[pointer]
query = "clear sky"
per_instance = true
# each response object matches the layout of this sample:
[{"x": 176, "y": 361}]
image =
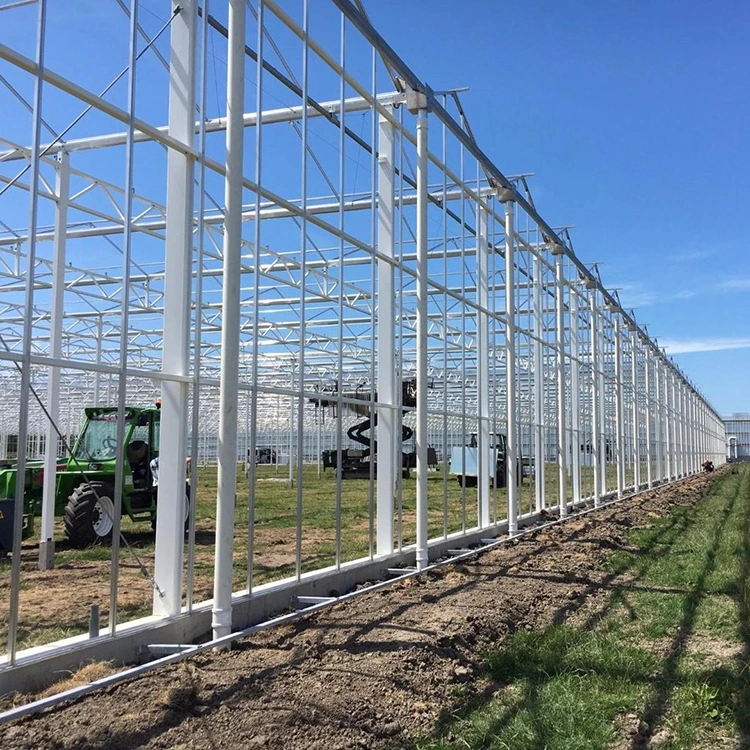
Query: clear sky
[{"x": 635, "y": 119}]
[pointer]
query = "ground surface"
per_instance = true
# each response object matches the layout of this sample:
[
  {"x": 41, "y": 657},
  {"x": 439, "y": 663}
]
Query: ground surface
[{"x": 405, "y": 666}]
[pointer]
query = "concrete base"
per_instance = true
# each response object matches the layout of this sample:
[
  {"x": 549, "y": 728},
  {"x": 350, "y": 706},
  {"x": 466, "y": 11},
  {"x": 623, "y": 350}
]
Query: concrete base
[
  {"x": 47, "y": 555},
  {"x": 129, "y": 645}
]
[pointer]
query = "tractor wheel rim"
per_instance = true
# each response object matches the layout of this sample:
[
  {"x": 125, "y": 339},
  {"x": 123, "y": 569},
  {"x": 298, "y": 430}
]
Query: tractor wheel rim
[{"x": 104, "y": 512}]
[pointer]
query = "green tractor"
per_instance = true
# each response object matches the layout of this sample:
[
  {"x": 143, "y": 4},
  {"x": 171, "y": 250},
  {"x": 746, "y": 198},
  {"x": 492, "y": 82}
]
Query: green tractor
[{"x": 87, "y": 503}]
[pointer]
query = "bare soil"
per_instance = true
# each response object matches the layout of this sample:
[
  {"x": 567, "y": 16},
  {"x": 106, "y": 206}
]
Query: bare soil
[{"x": 375, "y": 672}]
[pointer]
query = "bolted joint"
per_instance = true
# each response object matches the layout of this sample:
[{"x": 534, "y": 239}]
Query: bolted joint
[
  {"x": 590, "y": 283},
  {"x": 505, "y": 195},
  {"x": 556, "y": 248},
  {"x": 415, "y": 100}
]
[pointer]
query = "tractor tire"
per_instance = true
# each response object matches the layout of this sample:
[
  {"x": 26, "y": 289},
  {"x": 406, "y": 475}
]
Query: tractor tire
[{"x": 89, "y": 514}]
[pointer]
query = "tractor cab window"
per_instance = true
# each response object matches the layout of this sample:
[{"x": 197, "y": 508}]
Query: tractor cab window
[{"x": 99, "y": 439}]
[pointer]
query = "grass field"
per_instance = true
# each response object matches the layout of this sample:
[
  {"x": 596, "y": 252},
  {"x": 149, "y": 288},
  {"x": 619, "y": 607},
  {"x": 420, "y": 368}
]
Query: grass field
[
  {"x": 667, "y": 658},
  {"x": 56, "y": 604}
]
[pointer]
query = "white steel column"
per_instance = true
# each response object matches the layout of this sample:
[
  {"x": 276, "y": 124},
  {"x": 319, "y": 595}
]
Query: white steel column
[
  {"x": 619, "y": 421},
  {"x": 388, "y": 415},
  {"x": 636, "y": 432},
  {"x": 682, "y": 421},
  {"x": 562, "y": 450},
  {"x": 603, "y": 447},
  {"x": 538, "y": 389},
  {"x": 669, "y": 403},
  {"x": 170, "y": 526},
  {"x": 659, "y": 423},
  {"x": 98, "y": 375},
  {"x": 596, "y": 423},
  {"x": 575, "y": 397},
  {"x": 230, "y": 329},
  {"x": 484, "y": 450},
  {"x": 511, "y": 455},
  {"x": 47, "y": 531},
  {"x": 647, "y": 373},
  {"x": 422, "y": 436}
]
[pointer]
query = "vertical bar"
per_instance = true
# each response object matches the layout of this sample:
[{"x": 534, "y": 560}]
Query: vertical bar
[
  {"x": 422, "y": 340},
  {"x": 170, "y": 525},
  {"x": 28, "y": 327},
  {"x": 575, "y": 397},
  {"x": 602, "y": 446},
  {"x": 596, "y": 422},
  {"x": 198, "y": 322},
  {"x": 619, "y": 411},
  {"x": 340, "y": 296},
  {"x": 538, "y": 387},
  {"x": 562, "y": 449},
  {"x": 484, "y": 449},
  {"x": 124, "y": 317},
  {"x": 98, "y": 375},
  {"x": 62, "y": 188},
  {"x": 636, "y": 430},
  {"x": 649, "y": 416},
  {"x": 302, "y": 296},
  {"x": 388, "y": 415},
  {"x": 511, "y": 455},
  {"x": 230, "y": 330}
]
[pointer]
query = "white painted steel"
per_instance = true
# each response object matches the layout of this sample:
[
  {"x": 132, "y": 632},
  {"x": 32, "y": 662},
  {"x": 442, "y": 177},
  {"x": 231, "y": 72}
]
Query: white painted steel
[
  {"x": 170, "y": 526},
  {"x": 422, "y": 436},
  {"x": 352, "y": 276},
  {"x": 510, "y": 370},
  {"x": 485, "y": 466},
  {"x": 230, "y": 331},
  {"x": 57, "y": 317},
  {"x": 388, "y": 428},
  {"x": 562, "y": 442}
]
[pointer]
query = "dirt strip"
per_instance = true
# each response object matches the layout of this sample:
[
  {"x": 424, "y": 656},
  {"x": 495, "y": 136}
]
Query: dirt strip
[{"x": 375, "y": 672}]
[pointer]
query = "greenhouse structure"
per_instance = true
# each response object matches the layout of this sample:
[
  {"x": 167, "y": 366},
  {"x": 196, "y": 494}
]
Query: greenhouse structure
[{"x": 369, "y": 348}]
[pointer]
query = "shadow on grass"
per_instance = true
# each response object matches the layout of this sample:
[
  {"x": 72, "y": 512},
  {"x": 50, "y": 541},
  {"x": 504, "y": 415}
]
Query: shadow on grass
[{"x": 534, "y": 664}]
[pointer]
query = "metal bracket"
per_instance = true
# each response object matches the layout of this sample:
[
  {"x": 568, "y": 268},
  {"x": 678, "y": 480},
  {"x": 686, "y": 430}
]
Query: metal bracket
[
  {"x": 415, "y": 100},
  {"x": 505, "y": 194}
]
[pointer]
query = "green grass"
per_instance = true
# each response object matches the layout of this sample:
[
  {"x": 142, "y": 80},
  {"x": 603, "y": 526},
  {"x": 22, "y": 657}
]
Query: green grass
[
  {"x": 671, "y": 646},
  {"x": 450, "y": 509}
]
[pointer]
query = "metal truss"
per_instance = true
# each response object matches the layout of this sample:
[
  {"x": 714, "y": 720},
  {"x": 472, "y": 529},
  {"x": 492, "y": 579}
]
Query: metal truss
[{"x": 250, "y": 211}]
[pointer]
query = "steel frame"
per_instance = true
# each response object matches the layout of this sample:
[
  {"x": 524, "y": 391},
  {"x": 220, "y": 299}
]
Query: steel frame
[{"x": 238, "y": 311}]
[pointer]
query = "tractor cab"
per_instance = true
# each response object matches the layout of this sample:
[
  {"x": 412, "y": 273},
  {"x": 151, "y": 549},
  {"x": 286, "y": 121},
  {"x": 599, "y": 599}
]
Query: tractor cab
[{"x": 88, "y": 506}]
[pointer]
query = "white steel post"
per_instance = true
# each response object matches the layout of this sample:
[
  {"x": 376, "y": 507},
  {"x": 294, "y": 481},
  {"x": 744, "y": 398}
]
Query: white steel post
[
  {"x": 538, "y": 388},
  {"x": 98, "y": 375},
  {"x": 575, "y": 397},
  {"x": 422, "y": 437},
  {"x": 596, "y": 395},
  {"x": 619, "y": 421},
  {"x": 230, "y": 330},
  {"x": 484, "y": 451},
  {"x": 511, "y": 454},
  {"x": 636, "y": 431},
  {"x": 603, "y": 448},
  {"x": 47, "y": 531},
  {"x": 388, "y": 415},
  {"x": 170, "y": 526},
  {"x": 647, "y": 373},
  {"x": 669, "y": 399},
  {"x": 659, "y": 420},
  {"x": 562, "y": 451},
  {"x": 683, "y": 418}
]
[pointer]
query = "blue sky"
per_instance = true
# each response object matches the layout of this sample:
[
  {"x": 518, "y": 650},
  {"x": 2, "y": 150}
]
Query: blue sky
[{"x": 635, "y": 119}]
